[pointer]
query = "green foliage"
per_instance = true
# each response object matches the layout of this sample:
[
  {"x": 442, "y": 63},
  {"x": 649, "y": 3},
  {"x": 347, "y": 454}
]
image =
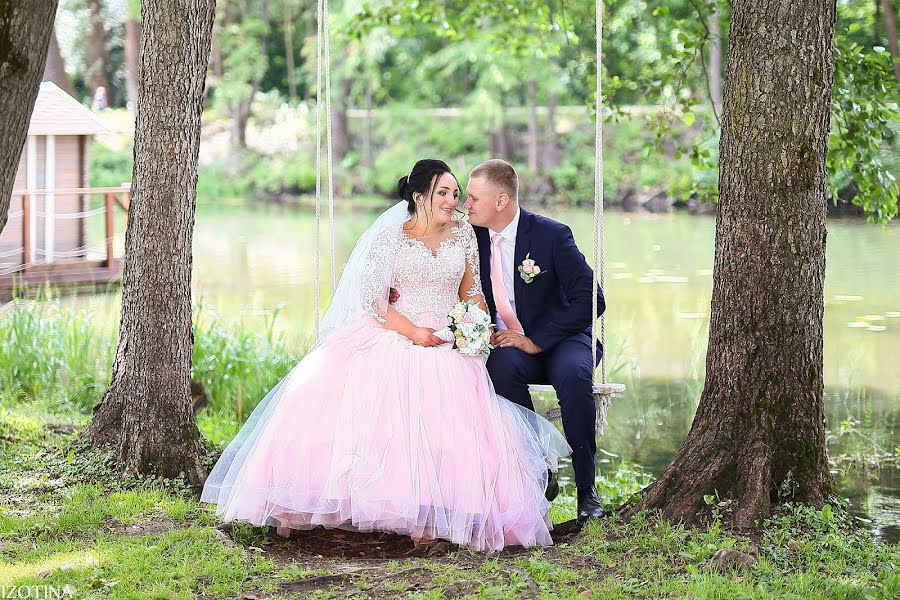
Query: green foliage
[
  {"x": 232, "y": 360},
  {"x": 241, "y": 42},
  {"x": 865, "y": 119},
  {"x": 59, "y": 356},
  {"x": 54, "y": 353},
  {"x": 479, "y": 55},
  {"x": 111, "y": 166}
]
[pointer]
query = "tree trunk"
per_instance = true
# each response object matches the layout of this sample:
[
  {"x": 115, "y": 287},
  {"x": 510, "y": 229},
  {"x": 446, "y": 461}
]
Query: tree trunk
[
  {"x": 289, "y": 52},
  {"x": 132, "y": 59},
  {"x": 240, "y": 110},
  {"x": 551, "y": 144},
  {"x": 531, "y": 95},
  {"x": 368, "y": 154},
  {"x": 498, "y": 139},
  {"x": 55, "y": 69},
  {"x": 24, "y": 40},
  {"x": 890, "y": 26},
  {"x": 97, "y": 53},
  {"x": 339, "y": 125},
  {"x": 758, "y": 437},
  {"x": 240, "y": 117},
  {"x": 146, "y": 413},
  {"x": 310, "y": 31},
  {"x": 715, "y": 63}
]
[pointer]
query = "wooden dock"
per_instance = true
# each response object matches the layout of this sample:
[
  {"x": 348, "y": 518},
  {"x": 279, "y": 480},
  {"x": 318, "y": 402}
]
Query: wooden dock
[
  {"x": 83, "y": 267},
  {"x": 74, "y": 276}
]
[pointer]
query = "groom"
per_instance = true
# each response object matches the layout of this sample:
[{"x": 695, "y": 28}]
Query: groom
[{"x": 538, "y": 288}]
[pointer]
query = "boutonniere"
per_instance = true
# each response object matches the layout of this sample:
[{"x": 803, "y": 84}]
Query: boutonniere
[{"x": 528, "y": 270}]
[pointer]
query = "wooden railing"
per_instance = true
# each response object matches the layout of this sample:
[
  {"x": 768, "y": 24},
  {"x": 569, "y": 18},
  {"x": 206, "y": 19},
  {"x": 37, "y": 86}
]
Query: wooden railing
[{"x": 113, "y": 196}]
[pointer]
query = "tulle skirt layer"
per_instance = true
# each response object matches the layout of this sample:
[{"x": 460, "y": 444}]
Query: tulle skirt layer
[{"x": 370, "y": 432}]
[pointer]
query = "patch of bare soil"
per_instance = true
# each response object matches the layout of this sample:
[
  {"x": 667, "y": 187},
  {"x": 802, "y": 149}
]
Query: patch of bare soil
[{"x": 367, "y": 563}]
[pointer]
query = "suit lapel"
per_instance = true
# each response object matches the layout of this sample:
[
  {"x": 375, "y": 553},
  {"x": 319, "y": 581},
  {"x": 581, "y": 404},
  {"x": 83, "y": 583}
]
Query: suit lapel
[{"x": 523, "y": 247}]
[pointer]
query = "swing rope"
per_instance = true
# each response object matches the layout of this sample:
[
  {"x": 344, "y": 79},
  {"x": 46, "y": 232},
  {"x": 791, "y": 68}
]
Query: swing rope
[
  {"x": 598, "y": 197},
  {"x": 323, "y": 59}
]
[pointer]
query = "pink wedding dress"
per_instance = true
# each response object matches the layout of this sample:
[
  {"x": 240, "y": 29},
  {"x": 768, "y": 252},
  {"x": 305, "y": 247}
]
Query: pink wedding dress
[{"x": 371, "y": 432}]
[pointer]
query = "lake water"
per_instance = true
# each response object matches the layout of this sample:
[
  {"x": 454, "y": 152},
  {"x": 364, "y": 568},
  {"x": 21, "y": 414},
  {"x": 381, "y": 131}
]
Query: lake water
[{"x": 250, "y": 261}]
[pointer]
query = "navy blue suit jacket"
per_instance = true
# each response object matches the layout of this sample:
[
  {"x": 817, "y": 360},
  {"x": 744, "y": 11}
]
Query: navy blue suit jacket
[{"x": 557, "y": 304}]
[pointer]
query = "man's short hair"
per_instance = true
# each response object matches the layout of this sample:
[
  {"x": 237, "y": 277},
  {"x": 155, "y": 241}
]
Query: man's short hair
[{"x": 500, "y": 173}]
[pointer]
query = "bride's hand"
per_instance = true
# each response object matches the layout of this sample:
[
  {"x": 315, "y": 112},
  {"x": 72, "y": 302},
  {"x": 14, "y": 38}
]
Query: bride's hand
[{"x": 424, "y": 336}]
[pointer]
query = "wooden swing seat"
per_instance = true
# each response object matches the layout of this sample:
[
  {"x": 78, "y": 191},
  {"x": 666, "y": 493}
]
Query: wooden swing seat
[{"x": 602, "y": 395}]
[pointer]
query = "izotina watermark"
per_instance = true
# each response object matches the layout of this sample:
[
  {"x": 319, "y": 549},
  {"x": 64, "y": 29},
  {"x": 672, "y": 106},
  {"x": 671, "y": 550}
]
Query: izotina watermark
[{"x": 37, "y": 591}]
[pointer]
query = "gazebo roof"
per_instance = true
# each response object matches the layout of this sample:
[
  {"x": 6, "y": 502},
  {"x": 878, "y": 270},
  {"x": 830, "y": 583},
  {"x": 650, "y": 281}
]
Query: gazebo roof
[{"x": 58, "y": 113}]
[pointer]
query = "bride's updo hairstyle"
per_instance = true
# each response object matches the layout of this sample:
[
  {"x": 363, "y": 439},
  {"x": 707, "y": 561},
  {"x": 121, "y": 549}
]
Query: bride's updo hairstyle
[{"x": 421, "y": 180}]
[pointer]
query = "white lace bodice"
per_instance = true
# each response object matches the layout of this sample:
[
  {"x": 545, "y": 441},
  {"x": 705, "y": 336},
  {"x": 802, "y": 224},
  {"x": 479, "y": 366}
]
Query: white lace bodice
[{"x": 428, "y": 281}]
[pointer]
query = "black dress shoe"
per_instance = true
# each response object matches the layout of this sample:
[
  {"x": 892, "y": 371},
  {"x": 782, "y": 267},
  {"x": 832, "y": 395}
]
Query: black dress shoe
[
  {"x": 552, "y": 486},
  {"x": 589, "y": 506}
]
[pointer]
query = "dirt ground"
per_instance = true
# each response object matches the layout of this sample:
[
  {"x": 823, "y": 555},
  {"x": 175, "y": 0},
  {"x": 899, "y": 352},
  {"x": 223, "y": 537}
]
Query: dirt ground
[{"x": 383, "y": 565}]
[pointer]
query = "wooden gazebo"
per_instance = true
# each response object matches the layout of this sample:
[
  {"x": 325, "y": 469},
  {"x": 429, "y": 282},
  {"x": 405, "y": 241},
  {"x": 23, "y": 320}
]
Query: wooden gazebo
[{"x": 48, "y": 238}]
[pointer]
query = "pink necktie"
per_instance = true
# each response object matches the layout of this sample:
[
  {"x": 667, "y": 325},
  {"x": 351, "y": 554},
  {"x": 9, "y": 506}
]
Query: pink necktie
[{"x": 501, "y": 299}]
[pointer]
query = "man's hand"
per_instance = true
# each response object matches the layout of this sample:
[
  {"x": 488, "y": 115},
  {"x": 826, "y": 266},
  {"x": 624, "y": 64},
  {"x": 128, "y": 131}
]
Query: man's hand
[
  {"x": 512, "y": 339},
  {"x": 393, "y": 296}
]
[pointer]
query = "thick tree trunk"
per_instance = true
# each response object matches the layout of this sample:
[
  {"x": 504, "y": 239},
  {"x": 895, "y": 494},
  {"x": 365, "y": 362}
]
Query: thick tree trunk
[
  {"x": 25, "y": 33},
  {"x": 132, "y": 59},
  {"x": 146, "y": 414},
  {"x": 890, "y": 27},
  {"x": 55, "y": 69},
  {"x": 715, "y": 63},
  {"x": 289, "y": 52},
  {"x": 531, "y": 96},
  {"x": 97, "y": 52},
  {"x": 758, "y": 437}
]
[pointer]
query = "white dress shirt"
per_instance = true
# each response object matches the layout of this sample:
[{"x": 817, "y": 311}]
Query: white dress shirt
[{"x": 508, "y": 249}]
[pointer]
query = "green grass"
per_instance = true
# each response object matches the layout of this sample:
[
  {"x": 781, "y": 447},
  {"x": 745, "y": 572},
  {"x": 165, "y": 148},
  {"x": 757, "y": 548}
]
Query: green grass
[
  {"x": 67, "y": 519},
  {"x": 54, "y": 352},
  {"x": 61, "y": 355}
]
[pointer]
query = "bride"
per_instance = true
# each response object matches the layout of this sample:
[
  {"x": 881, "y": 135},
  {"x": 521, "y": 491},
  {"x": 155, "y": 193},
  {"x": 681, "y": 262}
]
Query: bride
[{"x": 383, "y": 425}]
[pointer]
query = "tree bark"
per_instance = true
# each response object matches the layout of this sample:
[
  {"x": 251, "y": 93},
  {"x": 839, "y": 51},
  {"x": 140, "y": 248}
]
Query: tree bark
[
  {"x": 146, "y": 413},
  {"x": 24, "y": 39},
  {"x": 715, "y": 63},
  {"x": 289, "y": 52},
  {"x": 132, "y": 59},
  {"x": 758, "y": 437},
  {"x": 890, "y": 27},
  {"x": 55, "y": 69},
  {"x": 531, "y": 97},
  {"x": 97, "y": 52}
]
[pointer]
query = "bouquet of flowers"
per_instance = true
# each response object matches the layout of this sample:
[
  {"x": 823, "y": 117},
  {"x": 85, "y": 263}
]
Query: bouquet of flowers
[{"x": 470, "y": 329}]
